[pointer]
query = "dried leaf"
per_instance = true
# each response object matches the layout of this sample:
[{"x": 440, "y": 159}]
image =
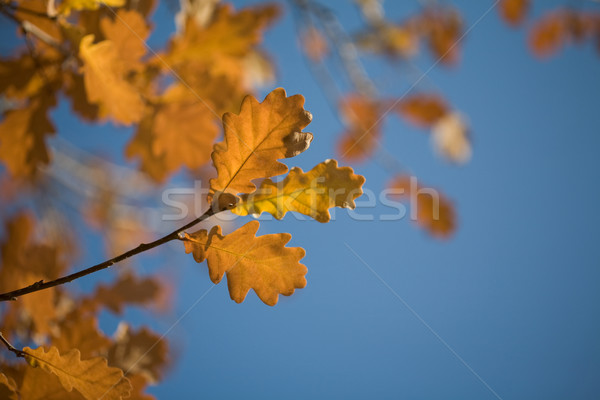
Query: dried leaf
[
  {"x": 8, "y": 388},
  {"x": 140, "y": 352},
  {"x": 429, "y": 208},
  {"x": 450, "y": 136},
  {"x": 256, "y": 138},
  {"x": 128, "y": 31},
  {"x": 40, "y": 385},
  {"x": 422, "y": 109},
  {"x": 312, "y": 193},
  {"x": 92, "y": 378},
  {"x": 127, "y": 290},
  {"x": 261, "y": 263},
  {"x": 105, "y": 84},
  {"x": 513, "y": 12},
  {"x": 79, "y": 330},
  {"x": 23, "y": 138}
]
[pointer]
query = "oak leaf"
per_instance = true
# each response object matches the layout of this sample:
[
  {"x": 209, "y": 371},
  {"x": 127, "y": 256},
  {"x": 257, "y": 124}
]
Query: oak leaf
[
  {"x": 429, "y": 208},
  {"x": 23, "y": 138},
  {"x": 66, "y": 6},
  {"x": 128, "y": 31},
  {"x": 140, "y": 352},
  {"x": 261, "y": 263},
  {"x": 314, "y": 44},
  {"x": 105, "y": 83},
  {"x": 443, "y": 27},
  {"x": 127, "y": 290},
  {"x": 92, "y": 378},
  {"x": 513, "y": 12},
  {"x": 8, "y": 388},
  {"x": 256, "y": 138},
  {"x": 548, "y": 34},
  {"x": 362, "y": 117},
  {"x": 450, "y": 136},
  {"x": 312, "y": 193},
  {"x": 422, "y": 109},
  {"x": 40, "y": 385},
  {"x": 80, "y": 330}
]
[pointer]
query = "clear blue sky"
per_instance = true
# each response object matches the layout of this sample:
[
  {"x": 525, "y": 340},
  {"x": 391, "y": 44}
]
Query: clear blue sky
[{"x": 511, "y": 302}]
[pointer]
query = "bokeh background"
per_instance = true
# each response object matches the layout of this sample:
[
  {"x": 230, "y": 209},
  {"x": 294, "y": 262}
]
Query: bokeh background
[{"x": 508, "y": 307}]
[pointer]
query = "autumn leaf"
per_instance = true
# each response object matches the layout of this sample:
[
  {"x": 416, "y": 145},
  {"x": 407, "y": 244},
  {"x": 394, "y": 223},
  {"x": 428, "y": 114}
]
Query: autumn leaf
[
  {"x": 362, "y": 117},
  {"x": 8, "y": 388},
  {"x": 128, "y": 289},
  {"x": 140, "y": 352},
  {"x": 312, "y": 193},
  {"x": 314, "y": 44},
  {"x": 450, "y": 136},
  {"x": 40, "y": 385},
  {"x": 66, "y": 6},
  {"x": 513, "y": 12},
  {"x": 92, "y": 378},
  {"x": 128, "y": 31},
  {"x": 23, "y": 138},
  {"x": 80, "y": 331},
  {"x": 548, "y": 34},
  {"x": 429, "y": 208},
  {"x": 105, "y": 84},
  {"x": 261, "y": 263},
  {"x": 422, "y": 109},
  {"x": 256, "y": 138},
  {"x": 442, "y": 27},
  {"x": 178, "y": 130}
]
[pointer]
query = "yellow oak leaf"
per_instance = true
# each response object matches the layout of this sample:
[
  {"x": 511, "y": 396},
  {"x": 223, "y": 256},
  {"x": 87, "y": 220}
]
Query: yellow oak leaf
[
  {"x": 23, "y": 138},
  {"x": 69, "y": 5},
  {"x": 92, "y": 378},
  {"x": 105, "y": 84},
  {"x": 8, "y": 388},
  {"x": 261, "y": 263},
  {"x": 256, "y": 138},
  {"x": 128, "y": 31},
  {"x": 311, "y": 193}
]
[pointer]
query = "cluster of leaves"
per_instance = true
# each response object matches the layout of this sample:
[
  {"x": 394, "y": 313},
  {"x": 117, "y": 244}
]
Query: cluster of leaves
[{"x": 555, "y": 28}]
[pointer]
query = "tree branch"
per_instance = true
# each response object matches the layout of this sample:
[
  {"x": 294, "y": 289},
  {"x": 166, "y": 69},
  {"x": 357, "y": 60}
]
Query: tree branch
[
  {"x": 10, "y": 347},
  {"x": 41, "y": 285}
]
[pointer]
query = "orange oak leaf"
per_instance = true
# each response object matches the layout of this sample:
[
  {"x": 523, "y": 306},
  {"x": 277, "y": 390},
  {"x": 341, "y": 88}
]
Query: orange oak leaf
[
  {"x": 256, "y": 138},
  {"x": 262, "y": 263},
  {"x": 362, "y": 117},
  {"x": 8, "y": 388},
  {"x": 311, "y": 193},
  {"x": 429, "y": 208},
  {"x": 513, "y": 12},
  {"x": 548, "y": 34},
  {"x": 442, "y": 27},
  {"x": 92, "y": 378},
  {"x": 105, "y": 83},
  {"x": 40, "y": 385},
  {"x": 314, "y": 44},
  {"x": 127, "y": 290},
  {"x": 80, "y": 330},
  {"x": 23, "y": 137},
  {"x": 128, "y": 31},
  {"x": 422, "y": 109},
  {"x": 179, "y": 130},
  {"x": 140, "y": 352}
]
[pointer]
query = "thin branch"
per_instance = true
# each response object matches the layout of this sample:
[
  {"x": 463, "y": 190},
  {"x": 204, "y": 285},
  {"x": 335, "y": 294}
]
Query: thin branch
[
  {"x": 10, "y": 347},
  {"x": 41, "y": 285}
]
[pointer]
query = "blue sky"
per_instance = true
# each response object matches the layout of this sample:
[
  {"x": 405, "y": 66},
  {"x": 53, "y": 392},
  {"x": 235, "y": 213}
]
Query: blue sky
[{"x": 508, "y": 308}]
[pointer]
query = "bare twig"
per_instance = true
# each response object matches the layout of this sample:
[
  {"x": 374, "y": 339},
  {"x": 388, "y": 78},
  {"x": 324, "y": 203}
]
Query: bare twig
[
  {"x": 10, "y": 347},
  {"x": 41, "y": 285}
]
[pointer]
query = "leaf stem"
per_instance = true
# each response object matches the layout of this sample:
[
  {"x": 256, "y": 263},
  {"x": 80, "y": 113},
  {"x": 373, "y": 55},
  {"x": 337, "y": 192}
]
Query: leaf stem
[
  {"x": 10, "y": 347},
  {"x": 41, "y": 285}
]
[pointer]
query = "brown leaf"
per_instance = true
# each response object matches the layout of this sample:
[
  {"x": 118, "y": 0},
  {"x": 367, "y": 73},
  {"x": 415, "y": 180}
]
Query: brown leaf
[
  {"x": 429, "y": 208},
  {"x": 92, "y": 378},
  {"x": 8, "y": 388},
  {"x": 513, "y": 12},
  {"x": 442, "y": 26},
  {"x": 362, "y": 117},
  {"x": 422, "y": 109},
  {"x": 548, "y": 34},
  {"x": 80, "y": 331},
  {"x": 256, "y": 138},
  {"x": 141, "y": 352},
  {"x": 261, "y": 263},
  {"x": 23, "y": 138},
  {"x": 127, "y": 290},
  {"x": 314, "y": 44},
  {"x": 40, "y": 385},
  {"x": 128, "y": 31}
]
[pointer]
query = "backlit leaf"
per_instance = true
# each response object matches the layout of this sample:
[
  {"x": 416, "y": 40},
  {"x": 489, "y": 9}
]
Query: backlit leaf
[
  {"x": 513, "y": 12},
  {"x": 105, "y": 84},
  {"x": 362, "y": 117},
  {"x": 8, "y": 388},
  {"x": 422, "y": 109},
  {"x": 261, "y": 263},
  {"x": 128, "y": 31},
  {"x": 548, "y": 34},
  {"x": 66, "y": 6},
  {"x": 312, "y": 193},
  {"x": 256, "y": 138},
  {"x": 92, "y": 378}
]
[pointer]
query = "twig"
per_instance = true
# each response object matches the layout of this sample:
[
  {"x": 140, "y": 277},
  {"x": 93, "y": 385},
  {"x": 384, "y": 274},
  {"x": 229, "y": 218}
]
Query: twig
[
  {"x": 10, "y": 347},
  {"x": 41, "y": 285}
]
